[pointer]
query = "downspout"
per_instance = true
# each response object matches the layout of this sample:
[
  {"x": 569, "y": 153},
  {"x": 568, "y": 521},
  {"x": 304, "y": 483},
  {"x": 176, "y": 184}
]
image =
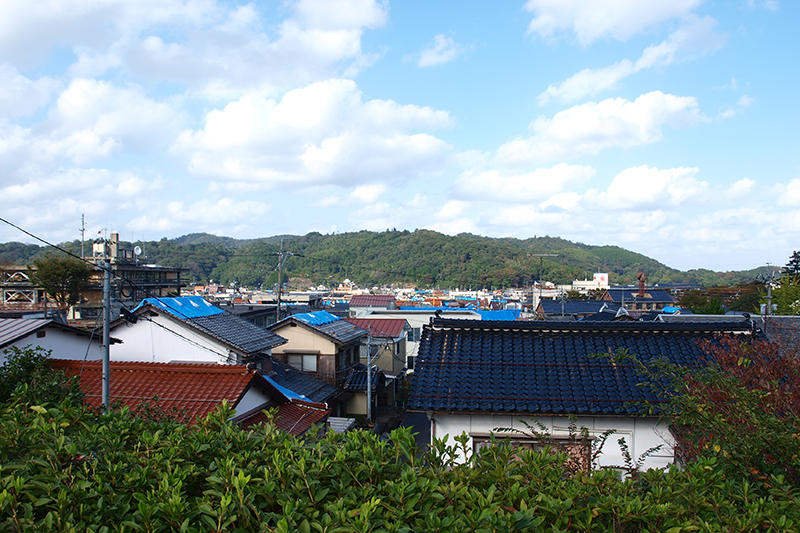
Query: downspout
[{"x": 432, "y": 418}]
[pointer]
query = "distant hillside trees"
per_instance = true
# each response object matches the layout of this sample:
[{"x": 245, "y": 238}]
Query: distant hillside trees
[{"x": 422, "y": 258}]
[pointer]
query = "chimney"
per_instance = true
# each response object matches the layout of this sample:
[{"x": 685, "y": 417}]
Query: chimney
[{"x": 642, "y": 277}]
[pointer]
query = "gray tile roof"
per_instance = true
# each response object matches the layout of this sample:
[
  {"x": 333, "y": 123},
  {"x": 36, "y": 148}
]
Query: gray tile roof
[{"x": 237, "y": 332}]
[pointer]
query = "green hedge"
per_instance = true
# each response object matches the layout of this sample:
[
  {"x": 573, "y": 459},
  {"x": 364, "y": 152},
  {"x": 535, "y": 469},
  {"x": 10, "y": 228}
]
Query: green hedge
[{"x": 65, "y": 468}]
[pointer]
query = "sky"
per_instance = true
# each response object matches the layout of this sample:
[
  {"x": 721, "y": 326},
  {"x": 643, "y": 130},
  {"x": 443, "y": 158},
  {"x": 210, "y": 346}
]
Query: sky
[{"x": 667, "y": 127}]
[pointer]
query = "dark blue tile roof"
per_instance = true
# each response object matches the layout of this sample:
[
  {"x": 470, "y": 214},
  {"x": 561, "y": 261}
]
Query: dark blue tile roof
[
  {"x": 546, "y": 368},
  {"x": 651, "y": 295},
  {"x": 302, "y": 383},
  {"x": 357, "y": 379},
  {"x": 576, "y": 307}
]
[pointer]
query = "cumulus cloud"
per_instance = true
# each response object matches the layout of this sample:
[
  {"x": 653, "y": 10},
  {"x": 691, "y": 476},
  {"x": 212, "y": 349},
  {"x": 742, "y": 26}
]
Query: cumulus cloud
[
  {"x": 204, "y": 215},
  {"x": 791, "y": 194},
  {"x": 590, "y": 21},
  {"x": 91, "y": 119},
  {"x": 22, "y": 96},
  {"x": 321, "y": 133},
  {"x": 644, "y": 187},
  {"x": 29, "y": 30},
  {"x": 530, "y": 186},
  {"x": 589, "y": 128},
  {"x": 697, "y": 36},
  {"x": 441, "y": 50}
]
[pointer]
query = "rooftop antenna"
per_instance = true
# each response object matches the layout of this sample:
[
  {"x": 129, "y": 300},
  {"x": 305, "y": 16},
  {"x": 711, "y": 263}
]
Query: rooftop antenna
[{"x": 82, "y": 229}]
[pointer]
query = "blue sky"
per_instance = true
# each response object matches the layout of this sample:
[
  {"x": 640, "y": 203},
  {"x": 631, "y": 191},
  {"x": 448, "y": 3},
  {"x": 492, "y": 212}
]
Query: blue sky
[{"x": 668, "y": 127}]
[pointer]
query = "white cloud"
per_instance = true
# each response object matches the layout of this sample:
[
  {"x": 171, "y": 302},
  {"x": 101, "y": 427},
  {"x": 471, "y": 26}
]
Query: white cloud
[
  {"x": 22, "y": 96},
  {"x": 29, "y": 30},
  {"x": 643, "y": 187},
  {"x": 321, "y": 133},
  {"x": 452, "y": 209},
  {"x": 530, "y": 186},
  {"x": 441, "y": 50},
  {"x": 745, "y": 101},
  {"x": 590, "y": 21},
  {"x": 217, "y": 50},
  {"x": 342, "y": 14},
  {"x": 222, "y": 217},
  {"x": 368, "y": 193},
  {"x": 729, "y": 111},
  {"x": 589, "y": 128},
  {"x": 740, "y": 189},
  {"x": 697, "y": 35},
  {"x": 791, "y": 194},
  {"x": 92, "y": 119}
]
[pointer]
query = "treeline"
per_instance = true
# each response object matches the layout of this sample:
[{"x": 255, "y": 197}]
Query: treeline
[{"x": 422, "y": 258}]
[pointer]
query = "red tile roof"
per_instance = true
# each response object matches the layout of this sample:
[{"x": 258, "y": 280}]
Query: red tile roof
[
  {"x": 196, "y": 389},
  {"x": 380, "y": 327},
  {"x": 295, "y": 417},
  {"x": 371, "y": 300}
]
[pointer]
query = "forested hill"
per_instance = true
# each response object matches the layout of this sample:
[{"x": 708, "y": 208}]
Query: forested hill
[{"x": 422, "y": 257}]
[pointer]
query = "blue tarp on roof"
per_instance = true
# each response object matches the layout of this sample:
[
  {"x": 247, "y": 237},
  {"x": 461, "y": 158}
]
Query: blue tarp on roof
[
  {"x": 316, "y": 318},
  {"x": 184, "y": 307},
  {"x": 503, "y": 314},
  {"x": 283, "y": 390}
]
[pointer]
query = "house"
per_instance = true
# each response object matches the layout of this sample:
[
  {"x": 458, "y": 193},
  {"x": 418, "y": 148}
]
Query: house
[
  {"x": 190, "y": 329},
  {"x": 196, "y": 390},
  {"x": 361, "y": 304},
  {"x": 638, "y": 301},
  {"x": 417, "y": 317},
  {"x": 575, "y": 308},
  {"x": 475, "y": 376},
  {"x": 66, "y": 342},
  {"x": 388, "y": 338},
  {"x": 319, "y": 343},
  {"x": 356, "y": 384}
]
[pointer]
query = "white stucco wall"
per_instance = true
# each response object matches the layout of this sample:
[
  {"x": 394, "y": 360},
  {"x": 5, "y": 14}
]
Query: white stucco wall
[
  {"x": 252, "y": 399},
  {"x": 64, "y": 345},
  {"x": 146, "y": 341},
  {"x": 640, "y": 434}
]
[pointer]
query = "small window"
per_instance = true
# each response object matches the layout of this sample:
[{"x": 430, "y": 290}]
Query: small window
[
  {"x": 306, "y": 363},
  {"x": 415, "y": 334},
  {"x": 579, "y": 450},
  {"x": 40, "y": 334}
]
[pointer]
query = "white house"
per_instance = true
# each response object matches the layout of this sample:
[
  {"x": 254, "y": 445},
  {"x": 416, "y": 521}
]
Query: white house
[
  {"x": 190, "y": 330},
  {"x": 66, "y": 342},
  {"x": 475, "y": 377}
]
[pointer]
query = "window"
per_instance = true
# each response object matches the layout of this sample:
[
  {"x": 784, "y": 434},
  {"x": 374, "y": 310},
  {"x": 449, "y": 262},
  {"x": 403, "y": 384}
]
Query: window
[
  {"x": 306, "y": 363},
  {"x": 579, "y": 449},
  {"x": 415, "y": 334}
]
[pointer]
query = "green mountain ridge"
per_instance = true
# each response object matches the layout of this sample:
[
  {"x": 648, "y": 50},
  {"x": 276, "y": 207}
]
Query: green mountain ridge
[{"x": 420, "y": 258}]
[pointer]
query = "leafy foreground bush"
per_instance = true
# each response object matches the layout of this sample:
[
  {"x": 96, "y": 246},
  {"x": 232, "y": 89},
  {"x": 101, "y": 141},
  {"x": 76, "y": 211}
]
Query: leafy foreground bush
[{"x": 65, "y": 468}]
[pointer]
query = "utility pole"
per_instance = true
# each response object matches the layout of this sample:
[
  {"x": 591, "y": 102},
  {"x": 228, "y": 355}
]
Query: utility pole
[
  {"x": 106, "y": 385},
  {"x": 282, "y": 257},
  {"x": 369, "y": 373}
]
